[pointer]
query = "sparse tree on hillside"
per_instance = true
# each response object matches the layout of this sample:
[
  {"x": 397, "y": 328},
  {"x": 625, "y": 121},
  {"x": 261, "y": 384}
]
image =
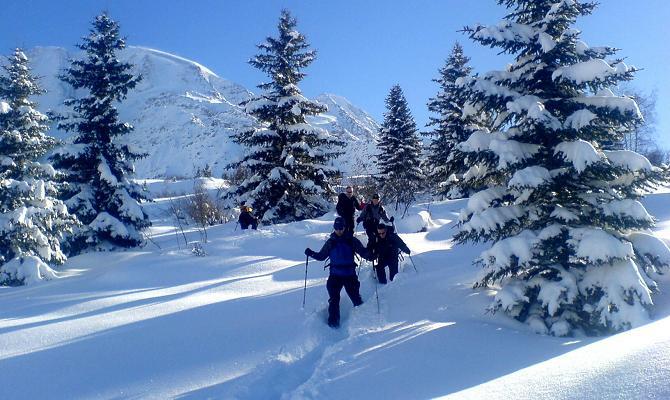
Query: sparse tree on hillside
[
  {"x": 98, "y": 163},
  {"x": 572, "y": 249},
  {"x": 32, "y": 221},
  {"x": 288, "y": 160}
]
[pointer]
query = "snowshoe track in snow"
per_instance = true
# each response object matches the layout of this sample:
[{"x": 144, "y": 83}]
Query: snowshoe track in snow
[{"x": 288, "y": 373}]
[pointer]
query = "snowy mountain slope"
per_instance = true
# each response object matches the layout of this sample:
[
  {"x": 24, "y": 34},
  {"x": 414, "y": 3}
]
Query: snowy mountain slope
[
  {"x": 162, "y": 323},
  {"x": 353, "y": 126},
  {"x": 184, "y": 113}
]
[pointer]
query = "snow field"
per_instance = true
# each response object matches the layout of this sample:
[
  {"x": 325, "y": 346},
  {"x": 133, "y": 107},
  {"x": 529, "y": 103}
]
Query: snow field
[{"x": 162, "y": 323}]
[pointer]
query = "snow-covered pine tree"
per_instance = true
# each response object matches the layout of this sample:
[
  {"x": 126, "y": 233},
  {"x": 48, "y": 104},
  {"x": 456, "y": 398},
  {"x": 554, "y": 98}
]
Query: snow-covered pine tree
[
  {"x": 450, "y": 127},
  {"x": 572, "y": 248},
  {"x": 287, "y": 158},
  {"x": 32, "y": 220},
  {"x": 399, "y": 161},
  {"x": 98, "y": 164}
]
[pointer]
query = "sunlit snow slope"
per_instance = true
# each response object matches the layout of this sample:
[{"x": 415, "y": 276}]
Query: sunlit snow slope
[{"x": 157, "y": 323}]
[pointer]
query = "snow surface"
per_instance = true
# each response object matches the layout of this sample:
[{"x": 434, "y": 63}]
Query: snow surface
[
  {"x": 29, "y": 269},
  {"x": 580, "y": 119},
  {"x": 157, "y": 323},
  {"x": 4, "y": 107},
  {"x": 587, "y": 71},
  {"x": 580, "y": 153}
]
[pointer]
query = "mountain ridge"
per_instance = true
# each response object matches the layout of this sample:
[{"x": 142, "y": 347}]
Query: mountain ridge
[{"x": 184, "y": 114}]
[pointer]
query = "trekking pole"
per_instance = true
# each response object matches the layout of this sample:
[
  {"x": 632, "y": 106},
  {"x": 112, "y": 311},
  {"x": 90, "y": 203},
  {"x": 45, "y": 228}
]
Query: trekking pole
[
  {"x": 413, "y": 265},
  {"x": 304, "y": 292},
  {"x": 376, "y": 285}
]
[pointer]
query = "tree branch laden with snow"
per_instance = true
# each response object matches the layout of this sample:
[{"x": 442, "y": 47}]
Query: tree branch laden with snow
[{"x": 571, "y": 250}]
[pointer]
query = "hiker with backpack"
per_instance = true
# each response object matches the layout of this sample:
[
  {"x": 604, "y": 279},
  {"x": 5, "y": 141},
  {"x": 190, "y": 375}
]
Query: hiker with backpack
[
  {"x": 341, "y": 249},
  {"x": 371, "y": 215},
  {"x": 347, "y": 204},
  {"x": 247, "y": 219},
  {"x": 386, "y": 252}
]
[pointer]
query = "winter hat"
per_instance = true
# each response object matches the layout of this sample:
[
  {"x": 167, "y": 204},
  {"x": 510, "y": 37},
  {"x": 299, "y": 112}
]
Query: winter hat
[
  {"x": 375, "y": 196},
  {"x": 338, "y": 225},
  {"x": 382, "y": 226}
]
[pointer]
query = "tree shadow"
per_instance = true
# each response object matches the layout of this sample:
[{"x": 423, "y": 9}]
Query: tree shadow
[{"x": 127, "y": 360}]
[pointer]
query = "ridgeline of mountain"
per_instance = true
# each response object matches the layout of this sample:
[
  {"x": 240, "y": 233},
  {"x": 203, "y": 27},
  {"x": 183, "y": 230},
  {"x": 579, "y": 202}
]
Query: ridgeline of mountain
[
  {"x": 184, "y": 114},
  {"x": 353, "y": 126}
]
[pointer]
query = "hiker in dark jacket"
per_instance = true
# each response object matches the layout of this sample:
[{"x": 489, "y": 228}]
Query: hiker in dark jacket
[
  {"x": 347, "y": 204},
  {"x": 371, "y": 215},
  {"x": 246, "y": 219},
  {"x": 386, "y": 252},
  {"x": 340, "y": 248}
]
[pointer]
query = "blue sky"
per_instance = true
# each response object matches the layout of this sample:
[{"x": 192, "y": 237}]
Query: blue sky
[{"x": 364, "y": 46}]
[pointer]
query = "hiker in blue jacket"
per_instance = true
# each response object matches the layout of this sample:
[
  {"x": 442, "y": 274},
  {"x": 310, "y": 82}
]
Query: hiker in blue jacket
[{"x": 340, "y": 248}]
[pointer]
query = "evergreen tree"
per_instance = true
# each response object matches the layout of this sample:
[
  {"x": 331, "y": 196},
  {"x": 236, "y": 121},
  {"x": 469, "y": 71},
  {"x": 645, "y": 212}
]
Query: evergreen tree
[
  {"x": 450, "y": 127},
  {"x": 287, "y": 159},
  {"x": 572, "y": 249},
  {"x": 98, "y": 164},
  {"x": 32, "y": 221},
  {"x": 399, "y": 147}
]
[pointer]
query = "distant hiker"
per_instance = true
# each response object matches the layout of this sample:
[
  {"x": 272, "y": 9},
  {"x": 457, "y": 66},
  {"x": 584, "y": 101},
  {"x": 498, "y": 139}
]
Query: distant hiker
[
  {"x": 371, "y": 215},
  {"x": 386, "y": 252},
  {"x": 247, "y": 219},
  {"x": 340, "y": 248},
  {"x": 347, "y": 204}
]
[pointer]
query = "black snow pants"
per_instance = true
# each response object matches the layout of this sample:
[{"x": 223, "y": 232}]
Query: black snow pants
[
  {"x": 371, "y": 231},
  {"x": 381, "y": 270},
  {"x": 334, "y": 286},
  {"x": 350, "y": 227}
]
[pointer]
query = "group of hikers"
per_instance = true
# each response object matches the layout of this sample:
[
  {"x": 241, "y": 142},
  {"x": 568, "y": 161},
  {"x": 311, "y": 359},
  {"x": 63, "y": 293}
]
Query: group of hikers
[{"x": 383, "y": 249}]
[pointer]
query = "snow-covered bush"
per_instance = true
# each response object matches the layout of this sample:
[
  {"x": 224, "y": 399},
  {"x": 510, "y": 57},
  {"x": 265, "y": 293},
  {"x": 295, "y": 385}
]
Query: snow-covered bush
[{"x": 203, "y": 208}]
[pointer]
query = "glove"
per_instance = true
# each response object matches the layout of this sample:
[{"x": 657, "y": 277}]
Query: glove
[
  {"x": 358, "y": 220},
  {"x": 409, "y": 251},
  {"x": 392, "y": 219},
  {"x": 309, "y": 252}
]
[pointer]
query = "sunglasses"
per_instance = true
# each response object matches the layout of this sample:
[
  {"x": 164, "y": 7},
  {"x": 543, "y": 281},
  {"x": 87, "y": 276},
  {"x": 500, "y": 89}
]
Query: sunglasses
[
  {"x": 350, "y": 192},
  {"x": 381, "y": 232}
]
